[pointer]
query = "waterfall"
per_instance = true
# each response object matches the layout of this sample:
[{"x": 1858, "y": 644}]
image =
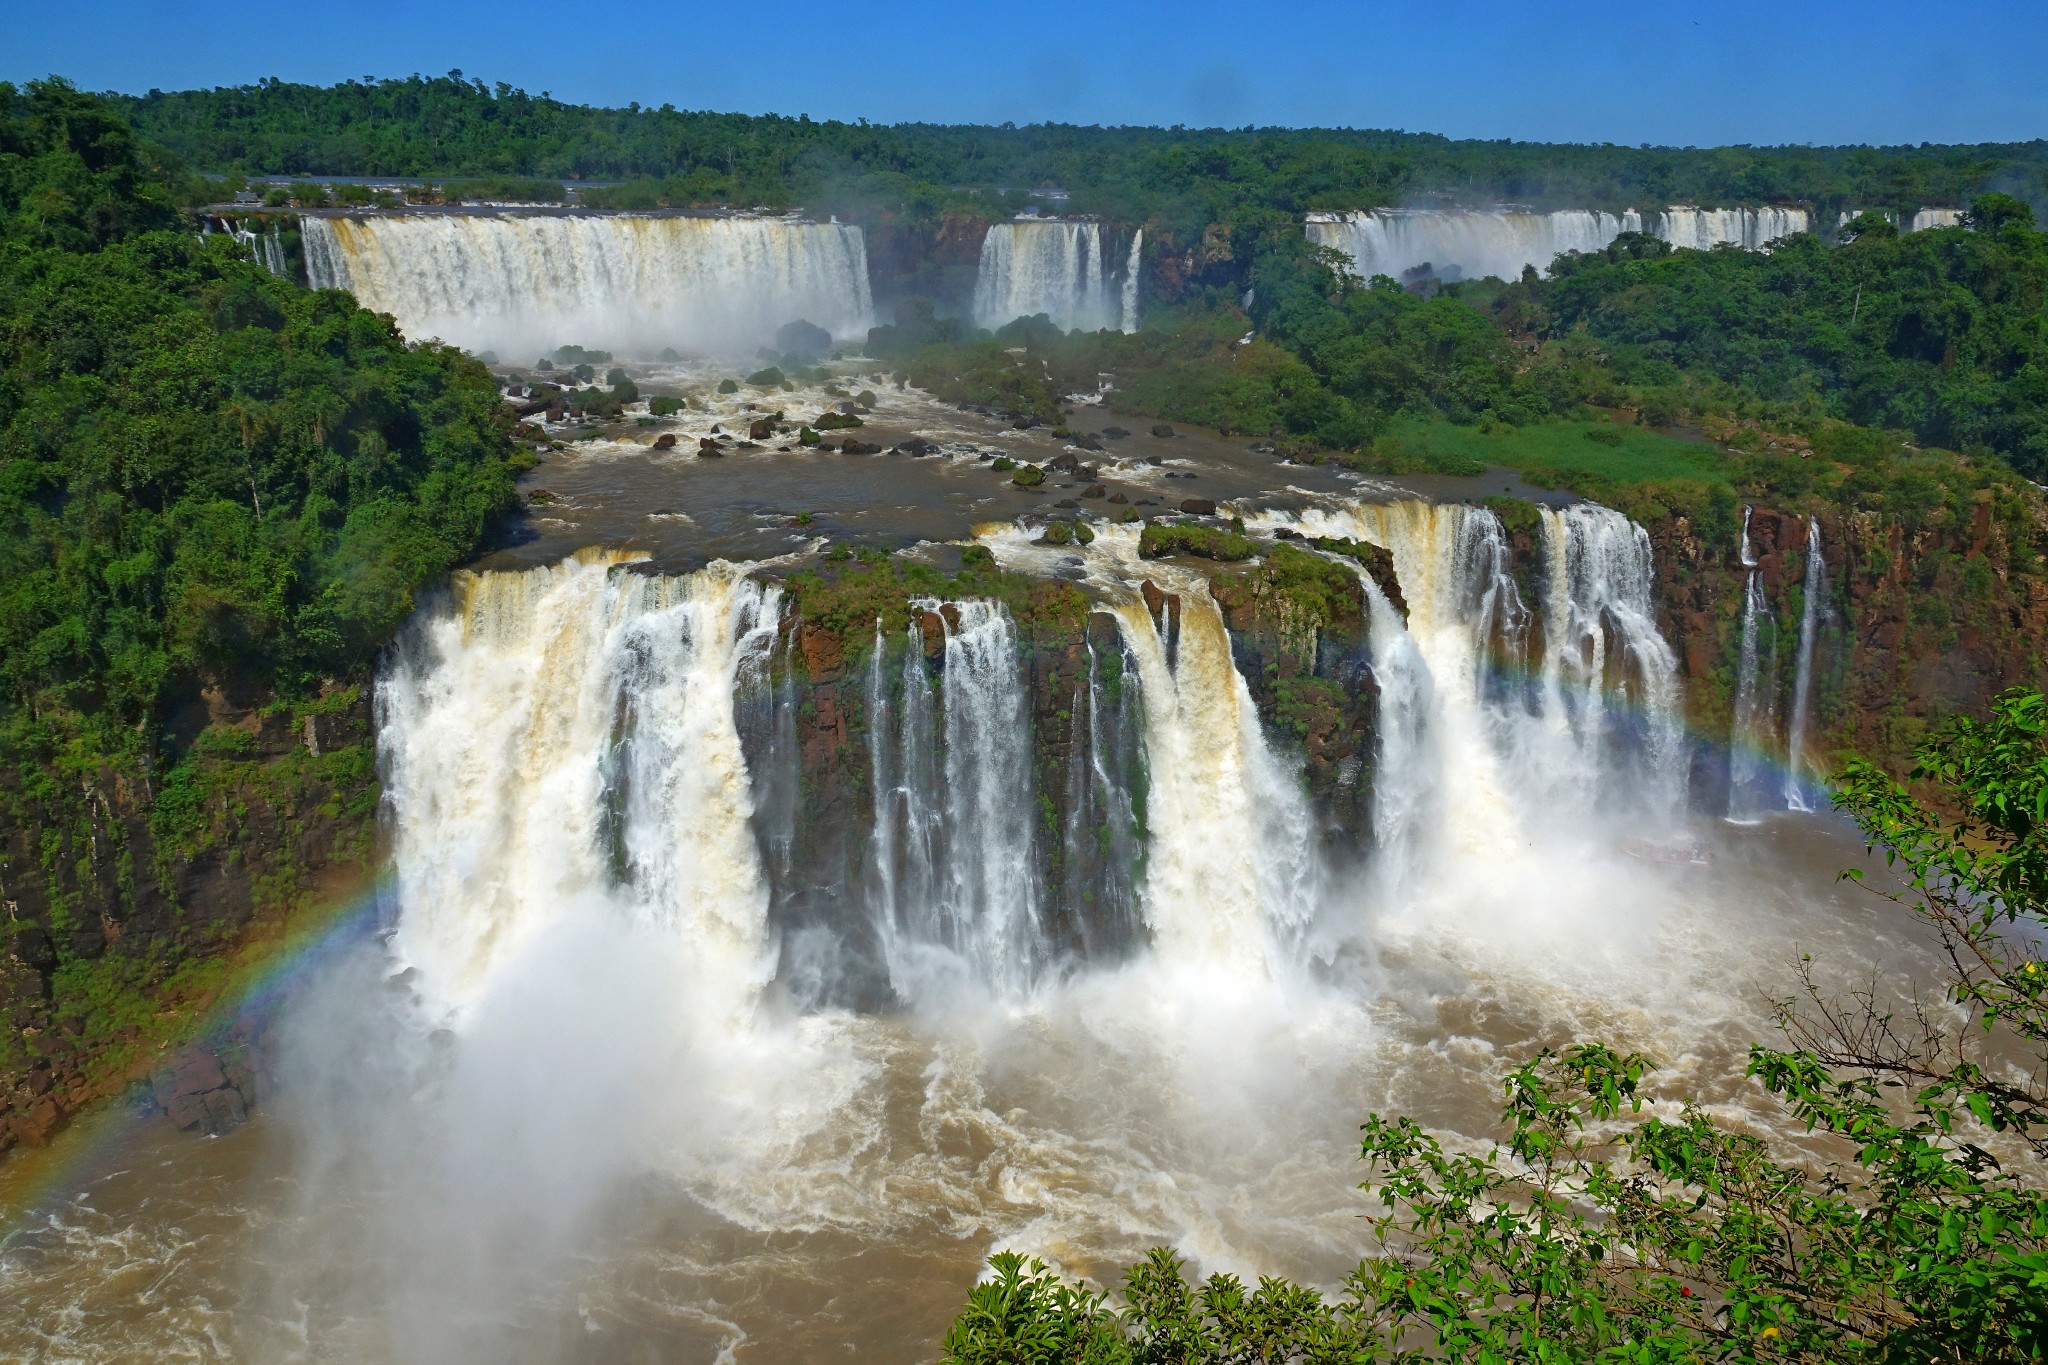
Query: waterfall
[
  {"x": 561, "y": 742},
  {"x": 1461, "y": 243},
  {"x": 1230, "y": 870},
  {"x": 1750, "y": 229},
  {"x": 1103, "y": 841},
  {"x": 266, "y": 248},
  {"x": 1601, "y": 642},
  {"x": 1811, "y": 615},
  {"x": 1039, "y": 266},
  {"x": 1132, "y": 266},
  {"x": 1923, "y": 219},
  {"x": 1474, "y": 755},
  {"x": 1749, "y": 739},
  {"x": 1469, "y": 243},
  {"x": 527, "y": 283},
  {"x": 954, "y": 852}
]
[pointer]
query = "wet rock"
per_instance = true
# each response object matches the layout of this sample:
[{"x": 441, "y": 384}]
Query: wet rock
[
  {"x": 1114, "y": 433},
  {"x": 1067, "y": 502},
  {"x": 761, "y": 429},
  {"x": 1198, "y": 507},
  {"x": 1095, "y": 490},
  {"x": 1118, "y": 497},
  {"x": 1064, "y": 462},
  {"x": 709, "y": 449},
  {"x": 1161, "y": 429},
  {"x": 39, "y": 1123},
  {"x": 850, "y": 446},
  {"x": 916, "y": 445},
  {"x": 665, "y": 441},
  {"x": 1028, "y": 476}
]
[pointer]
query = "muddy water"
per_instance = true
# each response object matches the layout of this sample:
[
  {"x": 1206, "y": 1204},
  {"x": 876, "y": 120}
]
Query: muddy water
[
  {"x": 587, "y": 1176},
  {"x": 851, "y": 1208}
]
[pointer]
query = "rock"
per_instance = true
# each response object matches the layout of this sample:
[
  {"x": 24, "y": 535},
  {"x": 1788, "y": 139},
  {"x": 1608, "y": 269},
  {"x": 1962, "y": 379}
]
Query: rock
[
  {"x": 761, "y": 429},
  {"x": 665, "y": 441},
  {"x": 1118, "y": 497},
  {"x": 709, "y": 449},
  {"x": 1095, "y": 490},
  {"x": 1028, "y": 476},
  {"x": 188, "y": 1071},
  {"x": 1198, "y": 507},
  {"x": 40, "y": 1123},
  {"x": 932, "y": 628},
  {"x": 1114, "y": 433},
  {"x": 1064, "y": 462},
  {"x": 850, "y": 446},
  {"x": 1286, "y": 533},
  {"x": 1161, "y": 429},
  {"x": 1067, "y": 502},
  {"x": 916, "y": 445}
]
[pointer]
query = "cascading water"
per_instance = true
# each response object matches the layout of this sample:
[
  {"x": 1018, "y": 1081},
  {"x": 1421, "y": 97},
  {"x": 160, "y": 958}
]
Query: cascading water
[
  {"x": 1102, "y": 844},
  {"x": 1750, "y": 229},
  {"x": 1606, "y": 666},
  {"x": 1132, "y": 266},
  {"x": 1461, "y": 243},
  {"x": 1751, "y": 739},
  {"x": 562, "y": 742},
  {"x": 1799, "y": 774},
  {"x": 955, "y": 881},
  {"x": 1056, "y": 268},
  {"x": 1923, "y": 219},
  {"x": 1230, "y": 879},
  {"x": 1475, "y": 757},
  {"x": 527, "y": 283}
]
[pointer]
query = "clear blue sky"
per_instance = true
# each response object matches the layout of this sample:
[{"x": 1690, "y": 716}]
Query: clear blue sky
[{"x": 1666, "y": 71}]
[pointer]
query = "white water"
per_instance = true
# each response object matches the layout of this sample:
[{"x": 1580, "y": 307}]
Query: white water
[
  {"x": 1035, "y": 266},
  {"x": 1799, "y": 773},
  {"x": 1230, "y": 881},
  {"x": 1751, "y": 738},
  {"x": 561, "y": 744},
  {"x": 1923, "y": 219},
  {"x": 524, "y": 284},
  {"x": 1133, "y": 267},
  {"x": 1470, "y": 243}
]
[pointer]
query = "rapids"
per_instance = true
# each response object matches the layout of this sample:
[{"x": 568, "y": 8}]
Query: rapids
[{"x": 590, "y": 1092}]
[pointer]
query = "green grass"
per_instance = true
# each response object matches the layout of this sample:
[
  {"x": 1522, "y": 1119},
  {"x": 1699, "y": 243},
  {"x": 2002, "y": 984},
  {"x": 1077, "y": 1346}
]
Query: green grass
[{"x": 1556, "y": 453}]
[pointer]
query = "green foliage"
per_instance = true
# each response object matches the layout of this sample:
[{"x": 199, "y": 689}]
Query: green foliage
[
  {"x": 1595, "y": 1233},
  {"x": 662, "y": 405},
  {"x": 1182, "y": 178},
  {"x": 1161, "y": 540},
  {"x": 770, "y": 378},
  {"x": 1937, "y": 333}
]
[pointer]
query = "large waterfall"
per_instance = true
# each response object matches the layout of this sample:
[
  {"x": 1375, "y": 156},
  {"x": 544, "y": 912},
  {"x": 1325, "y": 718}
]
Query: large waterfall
[
  {"x": 1462, "y": 243},
  {"x": 524, "y": 284},
  {"x": 560, "y": 743},
  {"x": 1056, "y": 268},
  {"x": 954, "y": 849}
]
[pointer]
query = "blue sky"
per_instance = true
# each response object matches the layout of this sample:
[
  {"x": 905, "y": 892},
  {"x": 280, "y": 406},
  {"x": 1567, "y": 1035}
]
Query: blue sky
[{"x": 1672, "y": 71}]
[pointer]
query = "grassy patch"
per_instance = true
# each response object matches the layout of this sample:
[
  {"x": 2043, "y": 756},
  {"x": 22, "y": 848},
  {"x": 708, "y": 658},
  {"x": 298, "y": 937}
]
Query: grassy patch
[{"x": 1562, "y": 454}]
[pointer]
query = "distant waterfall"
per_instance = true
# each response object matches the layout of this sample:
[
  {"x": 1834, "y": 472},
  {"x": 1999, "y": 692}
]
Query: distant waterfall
[
  {"x": 955, "y": 887},
  {"x": 1923, "y": 219},
  {"x": 1750, "y": 229},
  {"x": 1470, "y": 243},
  {"x": 523, "y": 284},
  {"x": 1230, "y": 872},
  {"x": 266, "y": 248},
  {"x": 1751, "y": 738},
  {"x": 1799, "y": 774},
  {"x": 1132, "y": 265},
  {"x": 561, "y": 743},
  {"x": 1056, "y": 268},
  {"x": 1462, "y": 243}
]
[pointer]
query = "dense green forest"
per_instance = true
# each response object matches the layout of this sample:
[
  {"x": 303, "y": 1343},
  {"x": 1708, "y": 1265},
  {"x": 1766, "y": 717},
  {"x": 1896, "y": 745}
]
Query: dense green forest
[
  {"x": 211, "y": 480},
  {"x": 455, "y": 126}
]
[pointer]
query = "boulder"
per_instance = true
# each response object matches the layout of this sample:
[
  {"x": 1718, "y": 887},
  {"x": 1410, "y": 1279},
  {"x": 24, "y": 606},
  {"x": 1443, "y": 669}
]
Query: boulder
[
  {"x": 1198, "y": 507},
  {"x": 1161, "y": 429},
  {"x": 188, "y": 1071},
  {"x": 665, "y": 441},
  {"x": 761, "y": 429},
  {"x": 1064, "y": 462},
  {"x": 36, "y": 1126},
  {"x": 1095, "y": 490},
  {"x": 1114, "y": 433},
  {"x": 1028, "y": 476},
  {"x": 709, "y": 449}
]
